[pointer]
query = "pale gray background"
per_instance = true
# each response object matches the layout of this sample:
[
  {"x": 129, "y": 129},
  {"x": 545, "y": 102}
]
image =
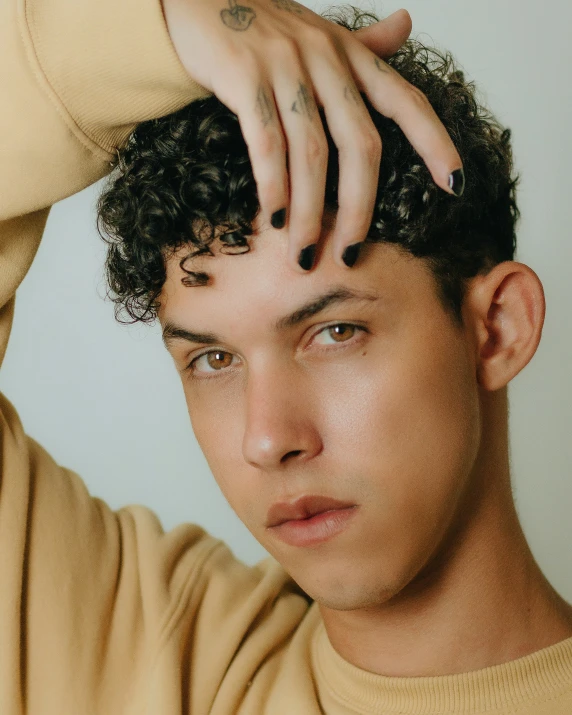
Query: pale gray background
[{"x": 105, "y": 400}]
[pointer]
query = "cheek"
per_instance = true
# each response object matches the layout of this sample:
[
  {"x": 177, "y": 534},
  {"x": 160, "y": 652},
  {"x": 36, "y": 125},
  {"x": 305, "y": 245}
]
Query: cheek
[
  {"x": 404, "y": 402},
  {"x": 409, "y": 419},
  {"x": 217, "y": 418}
]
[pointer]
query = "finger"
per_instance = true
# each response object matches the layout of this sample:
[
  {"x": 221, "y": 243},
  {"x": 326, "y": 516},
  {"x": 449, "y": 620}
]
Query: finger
[
  {"x": 385, "y": 37},
  {"x": 395, "y": 98},
  {"x": 359, "y": 152},
  {"x": 359, "y": 155},
  {"x": 307, "y": 155},
  {"x": 263, "y": 134}
]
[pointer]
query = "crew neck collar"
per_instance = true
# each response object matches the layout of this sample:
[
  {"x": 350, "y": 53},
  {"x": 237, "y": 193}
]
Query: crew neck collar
[{"x": 546, "y": 672}]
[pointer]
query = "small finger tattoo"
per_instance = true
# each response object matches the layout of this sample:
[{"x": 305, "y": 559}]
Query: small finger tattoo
[
  {"x": 381, "y": 66},
  {"x": 288, "y": 5},
  {"x": 264, "y": 106},
  {"x": 238, "y": 17},
  {"x": 304, "y": 103},
  {"x": 351, "y": 94}
]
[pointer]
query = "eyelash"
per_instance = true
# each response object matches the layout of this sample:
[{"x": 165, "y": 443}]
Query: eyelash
[{"x": 359, "y": 328}]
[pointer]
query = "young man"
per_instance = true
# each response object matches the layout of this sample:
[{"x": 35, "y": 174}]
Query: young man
[
  {"x": 369, "y": 399},
  {"x": 357, "y": 420}
]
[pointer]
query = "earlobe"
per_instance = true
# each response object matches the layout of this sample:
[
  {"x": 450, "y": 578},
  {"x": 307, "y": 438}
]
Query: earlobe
[{"x": 508, "y": 307}]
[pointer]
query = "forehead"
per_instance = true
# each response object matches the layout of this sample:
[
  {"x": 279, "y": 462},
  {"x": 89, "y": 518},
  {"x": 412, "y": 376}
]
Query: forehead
[{"x": 261, "y": 286}]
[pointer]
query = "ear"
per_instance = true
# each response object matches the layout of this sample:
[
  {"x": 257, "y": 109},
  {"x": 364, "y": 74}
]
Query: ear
[{"x": 506, "y": 308}]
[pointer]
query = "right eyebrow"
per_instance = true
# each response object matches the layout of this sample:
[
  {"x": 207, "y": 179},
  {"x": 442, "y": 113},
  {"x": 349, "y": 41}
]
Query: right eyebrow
[{"x": 173, "y": 332}]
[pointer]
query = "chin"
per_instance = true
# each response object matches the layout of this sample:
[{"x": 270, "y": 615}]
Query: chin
[{"x": 346, "y": 594}]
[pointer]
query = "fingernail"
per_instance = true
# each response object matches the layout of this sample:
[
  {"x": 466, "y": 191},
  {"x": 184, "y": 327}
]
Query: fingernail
[
  {"x": 307, "y": 257},
  {"x": 457, "y": 182},
  {"x": 278, "y": 218},
  {"x": 351, "y": 254}
]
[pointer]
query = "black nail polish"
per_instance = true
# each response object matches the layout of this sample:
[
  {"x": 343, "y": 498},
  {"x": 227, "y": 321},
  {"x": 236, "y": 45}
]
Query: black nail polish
[
  {"x": 457, "y": 182},
  {"x": 351, "y": 254},
  {"x": 307, "y": 257},
  {"x": 278, "y": 219}
]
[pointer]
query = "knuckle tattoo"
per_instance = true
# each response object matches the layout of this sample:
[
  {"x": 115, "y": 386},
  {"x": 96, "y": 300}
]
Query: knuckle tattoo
[
  {"x": 264, "y": 106},
  {"x": 352, "y": 95},
  {"x": 304, "y": 104}
]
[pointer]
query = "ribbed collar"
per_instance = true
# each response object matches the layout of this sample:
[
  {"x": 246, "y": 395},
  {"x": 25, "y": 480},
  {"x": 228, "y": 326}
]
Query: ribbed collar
[{"x": 546, "y": 672}]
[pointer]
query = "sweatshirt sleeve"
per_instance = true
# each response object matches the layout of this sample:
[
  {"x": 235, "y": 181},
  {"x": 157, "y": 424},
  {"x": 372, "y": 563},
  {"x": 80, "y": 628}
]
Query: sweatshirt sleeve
[
  {"x": 100, "y": 611},
  {"x": 76, "y": 76}
]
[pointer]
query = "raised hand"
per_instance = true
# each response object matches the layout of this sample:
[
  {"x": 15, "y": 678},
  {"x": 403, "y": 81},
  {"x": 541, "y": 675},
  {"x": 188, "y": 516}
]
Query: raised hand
[{"x": 273, "y": 62}]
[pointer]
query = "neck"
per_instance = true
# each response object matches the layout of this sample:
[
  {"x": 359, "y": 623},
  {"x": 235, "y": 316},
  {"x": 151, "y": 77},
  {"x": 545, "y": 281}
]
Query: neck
[{"x": 481, "y": 601}]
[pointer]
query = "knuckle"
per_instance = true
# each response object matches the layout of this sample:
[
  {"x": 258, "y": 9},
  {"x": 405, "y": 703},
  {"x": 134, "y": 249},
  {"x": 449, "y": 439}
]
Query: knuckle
[
  {"x": 263, "y": 145},
  {"x": 416, "y": 96},
  {"x": 246, "y": 64},
  {"x": 266, "y": 145},
  {"x": 279, "y": 143},
  {"x": 321, "y": 40},
  {"x": 365, "y": 144},
  {"x": 315, "y": 150},
  {"x": 370, "y": 144},
  {"x": 408, "y": 98},
  {"x": 284, "y": 50}
]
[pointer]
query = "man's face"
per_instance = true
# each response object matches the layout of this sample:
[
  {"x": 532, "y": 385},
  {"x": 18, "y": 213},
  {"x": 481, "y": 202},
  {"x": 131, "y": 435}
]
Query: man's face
[{"x": 371, "y": 401}]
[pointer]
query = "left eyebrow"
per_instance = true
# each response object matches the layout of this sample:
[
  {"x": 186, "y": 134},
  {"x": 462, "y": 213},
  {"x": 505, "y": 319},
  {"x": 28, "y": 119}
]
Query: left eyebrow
[{"x": 334, "y": 296}]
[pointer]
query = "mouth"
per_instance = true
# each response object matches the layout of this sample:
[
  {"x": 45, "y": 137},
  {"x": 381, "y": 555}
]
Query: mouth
[{"x": 310, "y": 520}]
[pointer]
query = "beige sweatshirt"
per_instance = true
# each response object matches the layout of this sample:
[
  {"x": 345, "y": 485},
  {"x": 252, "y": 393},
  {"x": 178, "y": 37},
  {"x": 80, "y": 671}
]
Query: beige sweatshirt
[{"x": 101, "y": 611}]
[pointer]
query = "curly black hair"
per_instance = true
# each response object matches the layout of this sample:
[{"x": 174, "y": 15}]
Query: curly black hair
[{"x": 186, "y": 180}]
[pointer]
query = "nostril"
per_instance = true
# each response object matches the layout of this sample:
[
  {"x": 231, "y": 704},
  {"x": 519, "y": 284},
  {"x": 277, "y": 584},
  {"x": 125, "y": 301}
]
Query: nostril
[{"x": 288, "y": 455}]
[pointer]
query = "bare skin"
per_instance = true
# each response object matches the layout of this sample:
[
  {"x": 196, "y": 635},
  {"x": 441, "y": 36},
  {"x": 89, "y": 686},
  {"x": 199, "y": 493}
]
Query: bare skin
[
  {"x": 481, "y": 601},
  {"x": 405, "y": 418}
]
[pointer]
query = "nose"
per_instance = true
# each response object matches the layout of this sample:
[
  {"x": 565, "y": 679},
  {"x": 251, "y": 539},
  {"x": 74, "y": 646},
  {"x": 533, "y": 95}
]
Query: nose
[{"x": 280, "y": 428}]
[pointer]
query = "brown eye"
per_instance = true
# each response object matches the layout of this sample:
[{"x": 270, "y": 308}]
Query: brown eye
[
  {"x": 338, "y": 333},
  {"x": 213, "y": 361},
  {"x": 342, "y": 332},
  {"x": 219, "y": 359}
]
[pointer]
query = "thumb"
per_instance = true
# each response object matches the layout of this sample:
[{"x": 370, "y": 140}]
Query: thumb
[{"x": 385, "y": 37}]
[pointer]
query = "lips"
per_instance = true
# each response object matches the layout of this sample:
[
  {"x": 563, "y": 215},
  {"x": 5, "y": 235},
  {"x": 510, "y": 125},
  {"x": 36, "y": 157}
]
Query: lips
[{"x": 303, "y": 508}]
